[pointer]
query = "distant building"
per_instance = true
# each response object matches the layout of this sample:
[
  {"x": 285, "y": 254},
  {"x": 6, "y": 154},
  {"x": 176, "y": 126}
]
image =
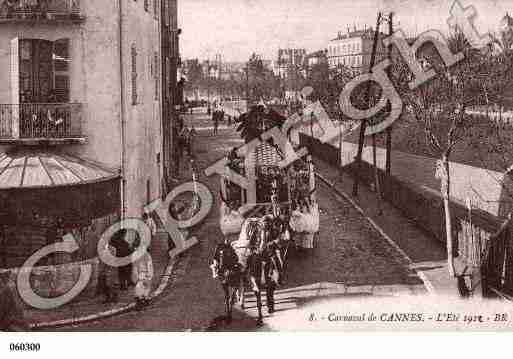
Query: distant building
[
  {"x": 268, "y": 64},
  {"x": 313, "y": 59},
  {"x": 353, "y": 50},
  {"x": 289, "y": 61}
]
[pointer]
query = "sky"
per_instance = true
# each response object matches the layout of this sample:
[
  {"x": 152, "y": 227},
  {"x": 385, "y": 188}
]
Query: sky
[{"x": 237, "y": 28}]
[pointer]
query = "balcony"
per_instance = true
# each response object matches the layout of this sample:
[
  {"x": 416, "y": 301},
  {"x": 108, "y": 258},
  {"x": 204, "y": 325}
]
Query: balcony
[
  {"x": 41, "y": 123},
  {"x": 40, "y": 11}
]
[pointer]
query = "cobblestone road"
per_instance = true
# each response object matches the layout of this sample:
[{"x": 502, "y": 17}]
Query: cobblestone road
[{"x": 350, "y": 259}]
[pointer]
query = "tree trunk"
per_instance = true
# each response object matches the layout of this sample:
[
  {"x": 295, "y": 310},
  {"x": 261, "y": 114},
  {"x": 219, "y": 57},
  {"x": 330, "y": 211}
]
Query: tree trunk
[
  {"x": 447, "y": 209},
  {"x": 376, "y": 175}
]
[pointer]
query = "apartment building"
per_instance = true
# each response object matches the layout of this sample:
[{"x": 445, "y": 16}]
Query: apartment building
[
  {"x": 86, "y": 118},
  {"x": 353, "y": 50}
]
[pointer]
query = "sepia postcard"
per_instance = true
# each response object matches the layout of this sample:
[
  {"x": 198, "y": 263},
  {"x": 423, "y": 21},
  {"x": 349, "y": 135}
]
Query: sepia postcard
[{"x": 255, "y": 166}]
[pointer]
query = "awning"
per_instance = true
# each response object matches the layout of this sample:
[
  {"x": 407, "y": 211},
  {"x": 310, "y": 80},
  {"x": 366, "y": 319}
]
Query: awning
[
  {"x": 55, "y": 185},
  {"x": 38, "y": 169}
]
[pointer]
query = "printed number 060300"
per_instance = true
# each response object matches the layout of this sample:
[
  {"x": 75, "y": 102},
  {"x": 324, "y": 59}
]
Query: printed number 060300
[{"x": 25, "y": 347}]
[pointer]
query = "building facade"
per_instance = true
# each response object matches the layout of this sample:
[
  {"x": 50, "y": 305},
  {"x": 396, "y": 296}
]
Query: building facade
[
  {"x": 313, "y": 59},
  {"x": 353, "y": 50},
  {"x": 86, "y": 118},
  {"x": 288, "y": 61}
]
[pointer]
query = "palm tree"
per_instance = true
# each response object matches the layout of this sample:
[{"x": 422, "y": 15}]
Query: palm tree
[{"x": 258, "y": 120}]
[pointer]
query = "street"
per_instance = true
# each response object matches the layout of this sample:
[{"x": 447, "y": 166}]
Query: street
[{"x": 350, "y": 259}]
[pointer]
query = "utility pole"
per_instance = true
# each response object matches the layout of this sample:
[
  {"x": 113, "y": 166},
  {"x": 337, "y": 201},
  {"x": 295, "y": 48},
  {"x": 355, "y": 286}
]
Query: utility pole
[
  {"x": 247, "y": 86},
  {"x": 363, "y": 125},
  {"x": 388, "y": 165},
  {"x": 208, "y": 86}
]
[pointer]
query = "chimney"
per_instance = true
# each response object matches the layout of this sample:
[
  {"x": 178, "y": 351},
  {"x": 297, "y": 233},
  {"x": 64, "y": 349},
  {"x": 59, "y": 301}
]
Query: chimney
[{"x": 348, "y": 29}]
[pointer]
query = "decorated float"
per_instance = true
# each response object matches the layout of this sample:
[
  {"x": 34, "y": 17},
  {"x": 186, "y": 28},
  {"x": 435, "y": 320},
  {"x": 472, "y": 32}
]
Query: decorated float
[{"x": 285, "y": 194}]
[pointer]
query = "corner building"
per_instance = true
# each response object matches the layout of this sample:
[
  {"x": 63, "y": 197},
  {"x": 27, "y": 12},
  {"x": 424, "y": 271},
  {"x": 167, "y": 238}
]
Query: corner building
[{"x": 86, "y": 120}]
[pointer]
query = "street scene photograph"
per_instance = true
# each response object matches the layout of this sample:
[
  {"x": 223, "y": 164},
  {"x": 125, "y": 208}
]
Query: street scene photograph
[{"x": 229, "y": 166}]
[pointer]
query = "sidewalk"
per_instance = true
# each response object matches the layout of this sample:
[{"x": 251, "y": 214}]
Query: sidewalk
[
  {"x": 426, "y": 254},
  {"x": 89, "y": 309}
]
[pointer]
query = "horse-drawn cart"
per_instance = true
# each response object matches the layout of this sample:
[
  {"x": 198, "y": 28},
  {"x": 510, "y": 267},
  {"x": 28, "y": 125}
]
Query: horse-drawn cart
[
  {"x": 285, "y": 194},
  {"x": 259, "y": 236}
]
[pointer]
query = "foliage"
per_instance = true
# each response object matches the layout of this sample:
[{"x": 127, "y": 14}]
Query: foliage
[
  {"x": 257, "y": 120},
  {"x": 441, "y": 104},
  {"x": 261, "y": 82}
]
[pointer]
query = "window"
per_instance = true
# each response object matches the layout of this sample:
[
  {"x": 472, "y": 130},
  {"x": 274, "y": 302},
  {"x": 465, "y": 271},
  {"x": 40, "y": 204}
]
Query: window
[
  {"x": 61, "y": 60},
  {"x": 146, "y": 5},
  {"x": 43, "y": 69},
  {"x": 134, "y": 74},
  {"x": 156, "y": 8},
  {"x": 166, "y": 13}
]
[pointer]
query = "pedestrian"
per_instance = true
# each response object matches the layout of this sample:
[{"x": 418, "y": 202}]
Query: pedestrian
[
  {"x": 12, "y": 317},
  {"x": 123, "y": 249},
  {"x": 143, "y": 275},
  {"x": 183, "y": 140},
  {"x": 215, "y": 119},
  {"x": 106, "y": 285},
  {"x": 190, "y": 147}
]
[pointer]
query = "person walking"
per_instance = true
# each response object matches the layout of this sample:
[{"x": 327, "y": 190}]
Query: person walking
[
  {"x": 190, "y": 147},
  {"x": 215, "y": 119},
  {"x": 184, "y": 140},
  {"x": 142, "y": 275}
]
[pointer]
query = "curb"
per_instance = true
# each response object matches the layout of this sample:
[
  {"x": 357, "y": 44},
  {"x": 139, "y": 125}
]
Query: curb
[
  {"x": 427, "y": 283},
  {"x": 108, "y": 313}
]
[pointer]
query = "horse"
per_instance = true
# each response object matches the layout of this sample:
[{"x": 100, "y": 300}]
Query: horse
[
  {"x": 227, "y": 269},
  {"x": 259, "y": 257}
]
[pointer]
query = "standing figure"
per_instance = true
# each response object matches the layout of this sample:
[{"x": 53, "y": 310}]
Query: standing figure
[
  {"x": 215, "y": 119},
  {"x": 183, "y": 141},
  {"x": 190, "y": 146},
  {"x": 142, "y": 275},
  {"x": 106, "y": 285},
  {"x": 123, "y": 250}
]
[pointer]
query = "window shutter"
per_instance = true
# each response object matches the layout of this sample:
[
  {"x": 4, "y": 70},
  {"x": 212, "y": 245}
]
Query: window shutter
[
  {"x": 134, "y": 75},
  {"x": 61, "y": 61},
  {"x": 166, "y": 12}
]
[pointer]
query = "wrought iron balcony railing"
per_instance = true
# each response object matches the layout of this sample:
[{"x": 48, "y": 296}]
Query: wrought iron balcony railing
[
  {"x": 40, "y": 121},
  {"x": 40, "y": 10}
]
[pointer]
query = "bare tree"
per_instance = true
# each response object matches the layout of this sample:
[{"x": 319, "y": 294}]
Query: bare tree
[{"x": 440, "y": 108}]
